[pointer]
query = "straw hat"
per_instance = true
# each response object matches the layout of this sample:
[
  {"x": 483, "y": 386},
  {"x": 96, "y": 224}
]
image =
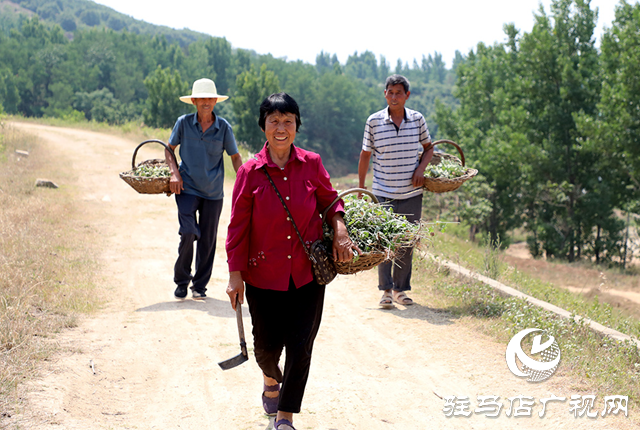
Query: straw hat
[{"x": 203, "y": 89}]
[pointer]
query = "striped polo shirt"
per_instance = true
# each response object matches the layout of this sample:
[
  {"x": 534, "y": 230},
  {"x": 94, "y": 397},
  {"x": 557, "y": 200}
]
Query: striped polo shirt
[{"x": 396, "y": 152}]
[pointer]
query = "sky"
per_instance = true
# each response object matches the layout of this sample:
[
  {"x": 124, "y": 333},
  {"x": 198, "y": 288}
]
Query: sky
[{"x": 300, "y": 30}]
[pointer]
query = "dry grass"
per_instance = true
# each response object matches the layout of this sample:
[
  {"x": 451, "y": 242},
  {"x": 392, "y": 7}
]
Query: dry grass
[{"x": 45, "y": 267}]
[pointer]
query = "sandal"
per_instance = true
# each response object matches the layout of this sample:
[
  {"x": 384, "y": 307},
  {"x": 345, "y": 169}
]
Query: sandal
[
  {"x": 270, "y": 404},
  {"x": 401, "y": 298},
  {"x": 386, "y": 302},
  {"x": 285, "y": 422}
]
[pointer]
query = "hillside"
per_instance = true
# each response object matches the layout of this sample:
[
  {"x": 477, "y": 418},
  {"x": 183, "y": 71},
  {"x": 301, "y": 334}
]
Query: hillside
[{"x": 81, "y": 14}]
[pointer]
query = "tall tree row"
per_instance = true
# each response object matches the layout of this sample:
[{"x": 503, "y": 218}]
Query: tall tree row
[
  {"x": 549, "y": 122},
  {"x": 117, "y": 76}
]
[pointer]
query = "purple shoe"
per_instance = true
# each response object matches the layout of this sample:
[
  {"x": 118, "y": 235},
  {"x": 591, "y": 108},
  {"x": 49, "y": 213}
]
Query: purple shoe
[
  {"x": 283, "y": 421},
  {"x": 270, "y": 404}
]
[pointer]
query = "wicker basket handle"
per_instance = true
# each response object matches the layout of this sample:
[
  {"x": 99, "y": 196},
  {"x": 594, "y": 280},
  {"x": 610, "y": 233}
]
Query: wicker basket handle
[
  {"x": 437, "y": 142},
  {"x": 344, "y": 193},
  {"x": 133, "y": 159}
]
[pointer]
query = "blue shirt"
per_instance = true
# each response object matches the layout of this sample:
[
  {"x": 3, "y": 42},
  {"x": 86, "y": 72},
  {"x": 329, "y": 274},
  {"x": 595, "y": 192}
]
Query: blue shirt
[{"x": 201, "y": 165}]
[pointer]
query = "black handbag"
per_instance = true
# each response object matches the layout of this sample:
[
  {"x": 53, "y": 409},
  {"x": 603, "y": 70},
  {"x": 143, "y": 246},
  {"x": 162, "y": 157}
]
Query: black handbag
[{"x": 324, "y": 271}]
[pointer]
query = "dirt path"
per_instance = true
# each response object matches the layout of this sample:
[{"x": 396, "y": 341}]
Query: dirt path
[{"x": 155, "y": 359}]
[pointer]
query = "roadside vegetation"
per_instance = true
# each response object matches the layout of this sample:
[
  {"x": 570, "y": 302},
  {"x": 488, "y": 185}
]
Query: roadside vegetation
[
  {"x": 595, "y": 363},
  {"x": 46, "y": 262}
]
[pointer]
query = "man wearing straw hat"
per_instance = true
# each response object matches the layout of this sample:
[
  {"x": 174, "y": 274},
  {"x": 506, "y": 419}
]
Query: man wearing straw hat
[
  {"x": 400, "y": 143},
  {"x": 198, "y": 184}
]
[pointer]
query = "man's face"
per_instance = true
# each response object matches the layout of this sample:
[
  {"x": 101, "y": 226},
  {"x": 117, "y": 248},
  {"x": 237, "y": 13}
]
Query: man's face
[
  {"x": 396, "y": 96},
  {"x": 204, "y": 106}
]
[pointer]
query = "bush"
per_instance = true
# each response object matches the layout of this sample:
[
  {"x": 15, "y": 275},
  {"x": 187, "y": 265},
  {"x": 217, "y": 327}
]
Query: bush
[
  {"x": 90, "y": 17},
  {"x": 68, "y": 23}
]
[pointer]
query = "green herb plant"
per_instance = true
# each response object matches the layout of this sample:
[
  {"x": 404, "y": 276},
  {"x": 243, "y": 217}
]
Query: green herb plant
[
  {"x": 376, "y": 228},
  {"x": 446, "y": 169},
  {"x": 153, "y": 171}
]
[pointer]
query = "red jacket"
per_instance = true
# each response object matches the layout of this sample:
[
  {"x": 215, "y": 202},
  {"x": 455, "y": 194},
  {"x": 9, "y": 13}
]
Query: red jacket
[{"x": 261, "y": 242}]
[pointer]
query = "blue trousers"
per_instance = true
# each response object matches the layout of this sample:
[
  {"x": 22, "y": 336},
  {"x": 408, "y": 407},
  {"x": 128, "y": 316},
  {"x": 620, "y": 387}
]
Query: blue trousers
[
  {"x": 198, "y": 219},
  {"x": 396, "y": 274}
]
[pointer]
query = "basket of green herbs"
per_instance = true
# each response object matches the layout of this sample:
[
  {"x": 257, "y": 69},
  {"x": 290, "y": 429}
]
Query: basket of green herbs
[
  {"x": 446, "y": 172},
  {"x": 379, "y": 232},
  {"x": 149, "y": 176}
]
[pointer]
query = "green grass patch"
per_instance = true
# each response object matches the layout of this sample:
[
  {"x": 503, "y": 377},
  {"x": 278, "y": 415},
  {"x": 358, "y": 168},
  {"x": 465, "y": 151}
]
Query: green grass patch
[{"x": 486, "y": 261}]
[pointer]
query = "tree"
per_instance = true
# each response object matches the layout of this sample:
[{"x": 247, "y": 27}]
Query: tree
[
  {"x": 617, "y": 126},
  {"x": 68, "y": 22},
  {"x": 335, "y": 120},
  {"x": 115, "y": 23},
  {"x": 252, "y": 87},
  {"x": 363, "y": 66},
  {"x": 614, "y": 133},
  {"x": 487, "y": 126},
  {"x": 517, "y": 119},
  {"x": 163, "y": 105},
  {"x": 559, "y": 79},
  {"x": 100, "y": 106},
  {"x": 90, "y": 17},
  {"x": 325, "y": 62},
  {"x": 9, "y": 95},
  {"x": 220, "y": 57}
]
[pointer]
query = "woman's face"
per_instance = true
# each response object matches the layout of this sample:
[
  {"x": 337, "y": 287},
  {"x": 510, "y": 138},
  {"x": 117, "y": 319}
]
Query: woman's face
[{"x": 280, "y": 129}]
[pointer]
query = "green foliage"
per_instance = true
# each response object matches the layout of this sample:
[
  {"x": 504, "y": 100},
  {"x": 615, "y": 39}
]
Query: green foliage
[
  {"x": 614, "y": 134},
  {"x": 252, "y": 87},
  {"x": 445, "y": 169},
  {"x": 527, "y": 109},
  {"x": 9, "y": 95},
  {"x": 108, "y": 70},
  {"x": 163, "y": 105},
  {"x": 491, "y": 258},
  {"x": 376, "y": 228},
  {"x": 153, "y": 171},
  {"x": 90, "y": 18},
  {"x": 334, "y": 120},
  {"x": 101, "y": 106},
  {"x": 82, "y": 14}
]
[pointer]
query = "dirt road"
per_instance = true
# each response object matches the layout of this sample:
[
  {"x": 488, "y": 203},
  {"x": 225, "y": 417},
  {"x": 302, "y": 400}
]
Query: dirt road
[{"x": 148, "y": 361}]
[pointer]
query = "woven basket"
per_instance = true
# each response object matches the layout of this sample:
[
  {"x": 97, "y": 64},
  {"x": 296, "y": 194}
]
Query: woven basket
[
  {"x": 143, "y": 184},
  {"x": 443, "y": 185},
  {"x": 366, "y": 260}
]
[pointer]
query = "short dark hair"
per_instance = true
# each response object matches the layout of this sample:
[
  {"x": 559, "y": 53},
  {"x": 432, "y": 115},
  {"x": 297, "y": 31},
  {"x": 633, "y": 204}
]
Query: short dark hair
[
  {"x": 395, "y": 80},
  {"x": 279, "y": 102}
]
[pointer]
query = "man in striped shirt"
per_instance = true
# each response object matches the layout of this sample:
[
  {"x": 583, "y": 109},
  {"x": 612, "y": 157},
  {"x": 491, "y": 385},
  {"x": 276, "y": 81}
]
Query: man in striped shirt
[{"x": 398, "y": 140}]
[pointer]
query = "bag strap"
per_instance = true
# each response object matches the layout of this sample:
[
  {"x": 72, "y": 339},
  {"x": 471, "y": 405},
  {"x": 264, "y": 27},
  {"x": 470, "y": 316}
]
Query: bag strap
[{"x": 313, "y": 260}]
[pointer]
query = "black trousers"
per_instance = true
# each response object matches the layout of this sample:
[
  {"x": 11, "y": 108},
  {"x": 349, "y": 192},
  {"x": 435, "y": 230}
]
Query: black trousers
[
  {"x": 286, "y": 320},
  {"x": 198, "y": 219}
]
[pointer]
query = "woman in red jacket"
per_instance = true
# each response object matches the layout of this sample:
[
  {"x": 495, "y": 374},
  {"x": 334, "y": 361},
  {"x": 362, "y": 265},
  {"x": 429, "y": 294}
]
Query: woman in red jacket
[{"x": 266, "y": 258}]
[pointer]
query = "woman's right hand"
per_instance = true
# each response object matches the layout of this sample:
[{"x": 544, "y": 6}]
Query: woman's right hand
[{"x": 235, "y": 289}]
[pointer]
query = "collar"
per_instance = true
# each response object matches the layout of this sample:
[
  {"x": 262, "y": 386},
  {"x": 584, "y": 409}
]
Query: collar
[
  {"x": 264, "y": 159},
  {"x": 387, "y": 114},
  {"x": 215, "y": 124}
]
